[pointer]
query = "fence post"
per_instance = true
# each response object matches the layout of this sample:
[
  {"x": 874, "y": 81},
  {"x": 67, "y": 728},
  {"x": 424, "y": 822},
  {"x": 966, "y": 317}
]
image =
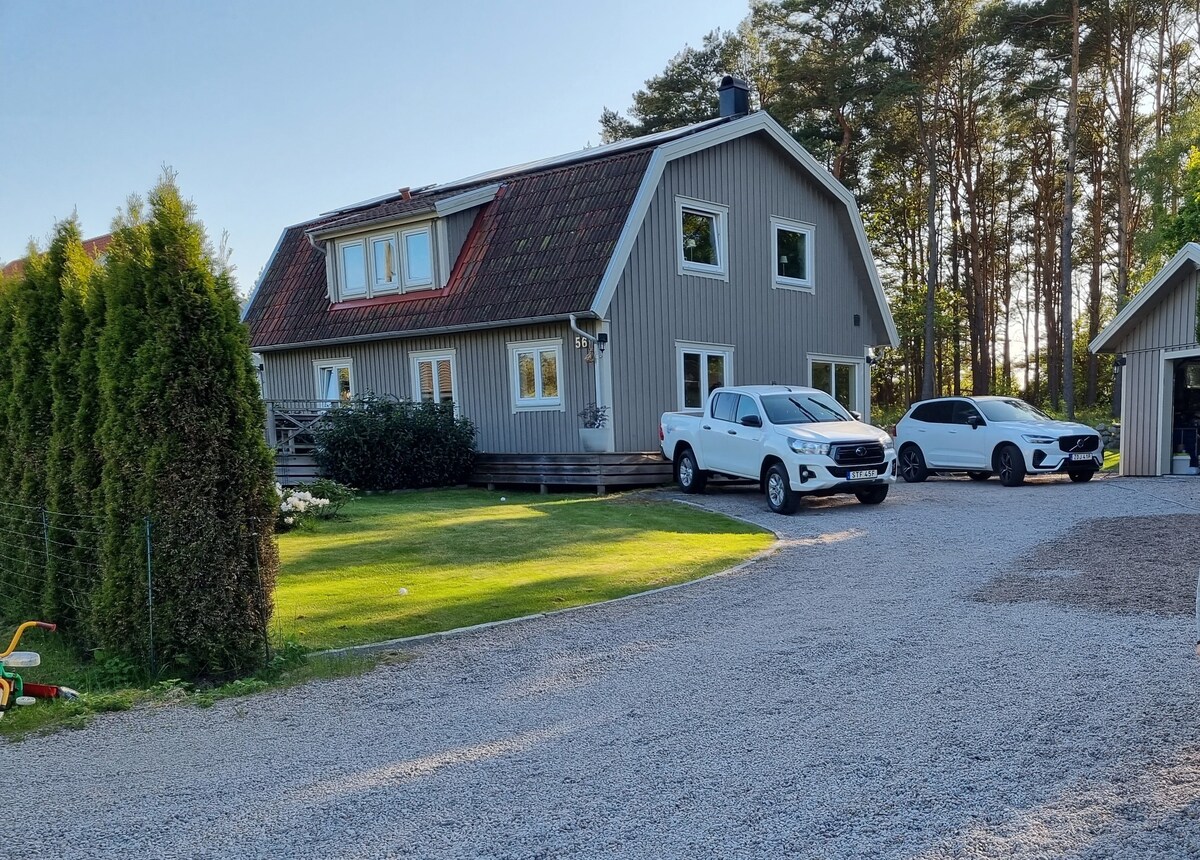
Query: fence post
[
  {"x": 46, "y": 537},
  {"x": 262, "y": 591},
  {"x": 150, "y": 595}
]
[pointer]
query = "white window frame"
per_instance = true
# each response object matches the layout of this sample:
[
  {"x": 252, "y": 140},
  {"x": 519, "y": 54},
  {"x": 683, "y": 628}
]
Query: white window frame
[
  {"x": 861, "y": 380},
  {"x": 393, "y": 285},
  {"x": 778, "y": 281},
  {"x": 705, "y": 349},
  {"x": 402, "y": 283},
  {"x": 536, "y": 404},
  {"x": 336, "y": 364},
  {"x": 341, "y": 268},
  {"x": 720, "y": 215},
  {"x": 416, "y": 283},
  {"x": 434, "y": 356}
]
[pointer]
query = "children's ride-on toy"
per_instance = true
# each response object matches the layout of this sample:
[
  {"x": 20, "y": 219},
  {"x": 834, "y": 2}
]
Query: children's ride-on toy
[{"x": 13, "y": 689}]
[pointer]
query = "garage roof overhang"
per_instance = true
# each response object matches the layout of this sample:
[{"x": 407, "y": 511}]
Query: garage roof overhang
[{"x": 1181, "y": 265}]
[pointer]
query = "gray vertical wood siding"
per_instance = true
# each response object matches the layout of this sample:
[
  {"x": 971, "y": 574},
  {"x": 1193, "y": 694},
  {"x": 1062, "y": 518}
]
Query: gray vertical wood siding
[
  {"x": 1170, "y": 324},
  {"x": 484, "y": 383},
  {"x": 772, "y": 330}
]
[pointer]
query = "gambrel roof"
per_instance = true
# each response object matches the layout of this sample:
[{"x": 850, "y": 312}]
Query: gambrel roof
[{"x": 550, "y": 239}]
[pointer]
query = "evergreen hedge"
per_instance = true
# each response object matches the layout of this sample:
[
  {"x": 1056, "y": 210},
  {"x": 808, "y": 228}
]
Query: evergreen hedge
[
  {"x": 379, "y": 443},
  {"x": 127, "y": 396}
]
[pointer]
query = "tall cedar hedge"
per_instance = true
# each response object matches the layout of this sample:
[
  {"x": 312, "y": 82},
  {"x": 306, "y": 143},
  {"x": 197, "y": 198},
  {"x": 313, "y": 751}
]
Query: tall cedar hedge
[{"x": 127, "y": 393}]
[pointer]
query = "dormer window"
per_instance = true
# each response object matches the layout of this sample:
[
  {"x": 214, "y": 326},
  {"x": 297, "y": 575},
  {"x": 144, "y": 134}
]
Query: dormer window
[{"x": 384, "y": 263}]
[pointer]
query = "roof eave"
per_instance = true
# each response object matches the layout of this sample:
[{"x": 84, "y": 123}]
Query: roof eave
[{"x": 425, "y": 332}]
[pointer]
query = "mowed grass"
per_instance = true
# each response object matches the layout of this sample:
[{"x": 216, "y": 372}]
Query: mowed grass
[{"x": 465, "y": 557}]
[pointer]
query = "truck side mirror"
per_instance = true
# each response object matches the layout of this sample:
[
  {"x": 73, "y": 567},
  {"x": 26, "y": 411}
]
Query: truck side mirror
[
  {"x": 751, "y": 421},
  {"x": 857, "y": 416}
]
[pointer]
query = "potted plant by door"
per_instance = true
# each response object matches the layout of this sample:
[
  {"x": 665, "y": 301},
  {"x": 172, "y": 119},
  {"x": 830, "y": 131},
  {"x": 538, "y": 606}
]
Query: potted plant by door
[
  {"x": 591, "y": 435},
  {"x": 1181, "y": 463}
]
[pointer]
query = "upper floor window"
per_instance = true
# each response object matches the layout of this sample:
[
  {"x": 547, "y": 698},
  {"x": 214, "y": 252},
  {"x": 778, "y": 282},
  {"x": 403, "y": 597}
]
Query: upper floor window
[
  {"x": 701, "y": 236},
  {"x": 792, "y": 247},
  {"x": 387, "y": 262}
]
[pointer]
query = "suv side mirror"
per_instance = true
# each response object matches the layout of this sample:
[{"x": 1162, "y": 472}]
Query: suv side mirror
[
  {"x": 973, "y": 420},
  {"x": 751, "y": 421},
  {"x": 857, "y": 416}
]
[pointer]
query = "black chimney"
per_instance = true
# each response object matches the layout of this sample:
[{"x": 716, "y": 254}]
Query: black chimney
[{"x": 735, "y": 96}]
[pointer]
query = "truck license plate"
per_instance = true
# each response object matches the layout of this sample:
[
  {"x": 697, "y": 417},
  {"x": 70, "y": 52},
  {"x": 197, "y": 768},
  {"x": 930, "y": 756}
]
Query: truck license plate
[
  {"x": 863, "y": 473},
  {"x": 1081, "y": 456}
]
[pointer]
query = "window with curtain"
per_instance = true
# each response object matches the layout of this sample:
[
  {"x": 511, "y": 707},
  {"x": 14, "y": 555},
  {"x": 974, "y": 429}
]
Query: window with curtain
[
  {"x": 334, "y": 381},
  {"x": 434, "y": 377},
  {"x": 535, "y": 372}
]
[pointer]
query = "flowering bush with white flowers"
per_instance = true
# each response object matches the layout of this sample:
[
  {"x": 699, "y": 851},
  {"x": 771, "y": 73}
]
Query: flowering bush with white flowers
[{"x": 295, "y": 506}]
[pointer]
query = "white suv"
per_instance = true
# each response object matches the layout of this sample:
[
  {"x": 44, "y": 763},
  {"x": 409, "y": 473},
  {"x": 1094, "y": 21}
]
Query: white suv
[{"x": 986, "y": 435}]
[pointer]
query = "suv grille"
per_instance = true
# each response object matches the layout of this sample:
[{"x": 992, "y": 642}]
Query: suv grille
[
  {"x": 1078, "y": 443},
  {"x": 856, "y": 453}
]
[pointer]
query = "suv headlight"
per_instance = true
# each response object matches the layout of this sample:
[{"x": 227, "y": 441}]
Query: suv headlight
[
  {"x": 820, "y": 449},
  {"x": 1038, "y": 440}
]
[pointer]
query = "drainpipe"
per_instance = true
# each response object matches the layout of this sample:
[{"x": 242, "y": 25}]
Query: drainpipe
[{"x": 603, "y": 380}]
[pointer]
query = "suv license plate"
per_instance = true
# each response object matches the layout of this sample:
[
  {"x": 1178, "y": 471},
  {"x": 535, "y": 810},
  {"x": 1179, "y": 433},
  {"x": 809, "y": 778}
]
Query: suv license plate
[
  {"x": 1081, "y": 456},
  {"x": 863, "y": 473}
]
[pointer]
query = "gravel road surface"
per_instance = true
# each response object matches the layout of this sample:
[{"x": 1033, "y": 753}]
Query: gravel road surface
[{"x": 878, "y": 688}]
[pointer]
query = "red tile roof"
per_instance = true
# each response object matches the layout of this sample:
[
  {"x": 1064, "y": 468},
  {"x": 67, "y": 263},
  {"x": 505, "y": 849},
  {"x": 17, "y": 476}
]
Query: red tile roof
[
  {"x": 92, "y": 247},
  {"x": 539, "y": 249}
]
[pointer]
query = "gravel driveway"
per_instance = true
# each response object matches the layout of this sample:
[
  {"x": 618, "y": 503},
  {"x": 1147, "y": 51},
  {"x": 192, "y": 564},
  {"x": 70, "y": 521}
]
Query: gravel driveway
[{"x": 876, "y": 689}]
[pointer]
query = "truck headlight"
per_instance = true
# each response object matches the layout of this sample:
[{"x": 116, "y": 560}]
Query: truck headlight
[
  {"x": 1038, "y": 440},
  {"x": 820, "y": 449},
  {"x": 889, "y": 445}
]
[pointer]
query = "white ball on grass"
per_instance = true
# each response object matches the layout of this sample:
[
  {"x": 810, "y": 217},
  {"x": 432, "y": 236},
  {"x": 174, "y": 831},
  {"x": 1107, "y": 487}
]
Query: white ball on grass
[{"x": 402, "y": 591}]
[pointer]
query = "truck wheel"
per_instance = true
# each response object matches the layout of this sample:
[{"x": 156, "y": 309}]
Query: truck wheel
[
  {"x": 690, "y": 477},
  {"x": 1010, "y": 464},
  {"x": 780, "y": 497},
  {"x": 872, "y": 496},
  {"x": 912, "y": 464}
]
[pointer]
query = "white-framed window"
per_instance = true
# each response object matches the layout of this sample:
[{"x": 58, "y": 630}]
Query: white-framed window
[
  {"x": 536, "y": 370},
  {"x": 334, "y": 378},
  {"x": 352, "y": 268},
  {"x": 385, "y": 269},
  {"x": 385, "y": 262},
  {"x": 844, "y": 379},
  {"x": 418, "y": 258},
  {"x": 701, "y": 236},
  {"x": 435, "y": 376},
  {"x": 702, "y": 368},
  {"x": 792, "y": 254}
]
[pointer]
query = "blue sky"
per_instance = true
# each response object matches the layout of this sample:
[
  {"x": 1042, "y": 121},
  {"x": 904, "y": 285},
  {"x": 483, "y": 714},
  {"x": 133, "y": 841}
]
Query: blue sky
[{"x": 272, "y": 112}]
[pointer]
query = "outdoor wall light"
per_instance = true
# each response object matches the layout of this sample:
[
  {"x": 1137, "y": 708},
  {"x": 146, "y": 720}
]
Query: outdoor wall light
[{"x": 602, "y": 341}]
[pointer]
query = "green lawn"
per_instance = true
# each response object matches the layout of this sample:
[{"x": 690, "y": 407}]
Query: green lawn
[
  {"x": 1112, "y": 459},
  {"x": 465, "y": 557}
]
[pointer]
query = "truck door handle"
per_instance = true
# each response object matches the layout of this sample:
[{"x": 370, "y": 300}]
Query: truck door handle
[
  {"x": 731, "y": 432},
  {"x": 705, "y": 427}
]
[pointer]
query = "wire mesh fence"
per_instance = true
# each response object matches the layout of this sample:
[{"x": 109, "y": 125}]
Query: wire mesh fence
[{"x": 52, "y": 568}]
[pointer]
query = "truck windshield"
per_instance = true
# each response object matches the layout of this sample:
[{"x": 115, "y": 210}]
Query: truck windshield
[
  {"x": 1010, "y": 410},
  {"x": 803, "y": 408}
]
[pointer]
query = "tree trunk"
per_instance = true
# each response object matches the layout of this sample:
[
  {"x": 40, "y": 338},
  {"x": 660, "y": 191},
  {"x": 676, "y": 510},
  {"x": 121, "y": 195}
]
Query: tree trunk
[
  {"x": 927, "y": 381},
  {"x": 1067, "y": 317}
]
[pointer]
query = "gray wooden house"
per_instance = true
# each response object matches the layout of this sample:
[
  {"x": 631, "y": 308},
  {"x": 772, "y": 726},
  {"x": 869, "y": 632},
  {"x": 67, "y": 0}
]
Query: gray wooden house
[
  {"x": 637, "y": 275},
  {"x": 1157, "y": 336}
]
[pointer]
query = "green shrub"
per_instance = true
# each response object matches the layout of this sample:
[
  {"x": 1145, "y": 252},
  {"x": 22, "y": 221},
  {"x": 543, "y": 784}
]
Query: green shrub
[{"x": 378, "y": 443}]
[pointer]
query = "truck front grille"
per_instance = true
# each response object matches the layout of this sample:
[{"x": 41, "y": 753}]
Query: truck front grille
[{"x": 856, "y": 453}]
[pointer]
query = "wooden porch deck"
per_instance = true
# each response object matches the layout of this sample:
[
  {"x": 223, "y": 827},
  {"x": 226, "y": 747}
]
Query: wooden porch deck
[{"x": 544, "y": 471}]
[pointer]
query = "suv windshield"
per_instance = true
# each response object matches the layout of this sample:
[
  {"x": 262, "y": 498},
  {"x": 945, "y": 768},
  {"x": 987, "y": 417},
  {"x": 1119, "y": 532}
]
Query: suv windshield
[
  {"x": 1010, "y": 410},
  {"x": 802, "y": 408}
]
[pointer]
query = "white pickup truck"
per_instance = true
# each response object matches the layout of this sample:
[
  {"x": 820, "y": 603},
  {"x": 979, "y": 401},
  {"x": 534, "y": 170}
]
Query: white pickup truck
[{"x": 794, "y": 441}]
